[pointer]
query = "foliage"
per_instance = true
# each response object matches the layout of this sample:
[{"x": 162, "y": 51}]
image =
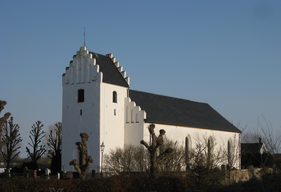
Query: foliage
[
  {"x": 2, "y": 122},
  {"x": 36, "y": 136},
  {"x": 10, "y": 148},
  {"x": 112, "y": 184},
  {"x": 176, "y": 162},
  {"x": 136, "y": 159},
  {"x": 204, "y": 164},
  {"x": 54, "y": 143},
  {"x": 268, "y": 182},
  {"x": 127, "y": 159}
]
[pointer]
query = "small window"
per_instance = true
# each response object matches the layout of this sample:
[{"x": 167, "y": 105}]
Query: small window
[
  {"x": 80, "y": 111},
  {"x": 80, "y": 96},
  {"x": 115, "y": 112},
  {"x": 114, "y": 97}
]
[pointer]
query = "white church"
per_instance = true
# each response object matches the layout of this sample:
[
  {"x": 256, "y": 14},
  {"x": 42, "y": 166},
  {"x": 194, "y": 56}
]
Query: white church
[{"x": 97, "y": 100}]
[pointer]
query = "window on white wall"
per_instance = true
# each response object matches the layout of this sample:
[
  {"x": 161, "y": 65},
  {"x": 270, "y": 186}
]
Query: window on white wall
[
  {"x": 114, "y": 97},
  {"x": 187, "y": 150},
  {"x": 127, "y": 115},
  {"x": 132, "y": 116},
  {"x": 80, "y": 96},
  {"x": 210, "y": 151},
  {"x": 137, "y": 118},
  {"x": 230, "y": 153}
]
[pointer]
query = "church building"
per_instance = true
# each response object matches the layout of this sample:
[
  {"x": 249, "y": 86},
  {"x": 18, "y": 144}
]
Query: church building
[{"x": 97, "y": 100}]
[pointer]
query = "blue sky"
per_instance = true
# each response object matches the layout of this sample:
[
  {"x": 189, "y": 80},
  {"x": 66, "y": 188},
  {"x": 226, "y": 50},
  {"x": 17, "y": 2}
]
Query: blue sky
[{"x": 225, "y": 53}]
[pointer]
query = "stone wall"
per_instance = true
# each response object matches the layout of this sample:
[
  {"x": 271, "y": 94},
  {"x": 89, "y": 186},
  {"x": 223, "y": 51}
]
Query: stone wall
[{"x": 235, "y": 176}]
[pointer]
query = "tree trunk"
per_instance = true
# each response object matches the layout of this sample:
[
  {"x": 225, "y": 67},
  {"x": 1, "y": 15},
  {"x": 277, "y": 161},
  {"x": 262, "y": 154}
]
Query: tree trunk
[{"x": 153, "y": 164}]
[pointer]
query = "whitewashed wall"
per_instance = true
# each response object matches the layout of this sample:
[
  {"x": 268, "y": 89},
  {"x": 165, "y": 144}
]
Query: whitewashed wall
[
  {"x": 134, "y": 122},
  {"x": 83, "y": 73},
  {"x": 101, "y": 118},
  {"x": 195, "y": 135},
  {"x": 112, "y": 116}
]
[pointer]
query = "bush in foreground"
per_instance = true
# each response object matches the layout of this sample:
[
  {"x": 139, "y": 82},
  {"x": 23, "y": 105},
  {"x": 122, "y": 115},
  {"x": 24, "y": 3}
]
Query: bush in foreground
[
  {"x": 112, "y": 184},
  {"x": 268, "y": 182}
]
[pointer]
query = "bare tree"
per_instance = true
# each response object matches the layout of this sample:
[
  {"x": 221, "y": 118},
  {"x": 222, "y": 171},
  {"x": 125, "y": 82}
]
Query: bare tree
[
  {"x": 2, "y": 121},
  {"x": 11, "y": 147},
  {"x": 210, "y": 155},
  {"x": 84, "y": 158},
  {"x": 153, "y": 148},
  {"x": 36, "y": 136},
  {"x": 137, "y": 159},
  {"x": 54, "y": 143},
  {"x": 122, "y": 160},
  {"x": 204, "y": 160},
  {"x": 177, "y": 161},
  {"x": 128, "y": 159},
  {"x": 264, "y": 130}
]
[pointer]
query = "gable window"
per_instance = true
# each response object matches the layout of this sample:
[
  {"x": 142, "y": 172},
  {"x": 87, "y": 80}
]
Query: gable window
[
  {"x": 114, "y": 97},
  {"x": 80, "y": 96}
]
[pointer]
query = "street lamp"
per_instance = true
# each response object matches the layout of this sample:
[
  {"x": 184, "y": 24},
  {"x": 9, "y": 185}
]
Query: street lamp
[{"x": 102, "y": 146}]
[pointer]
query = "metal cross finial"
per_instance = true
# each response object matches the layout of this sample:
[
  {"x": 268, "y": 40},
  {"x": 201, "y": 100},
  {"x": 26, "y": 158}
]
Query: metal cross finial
[{"x": 84, "y": 36}]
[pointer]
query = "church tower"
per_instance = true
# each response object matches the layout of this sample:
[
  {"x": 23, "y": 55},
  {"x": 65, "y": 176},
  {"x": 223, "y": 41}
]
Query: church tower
[{"x": 94, "y": 92}]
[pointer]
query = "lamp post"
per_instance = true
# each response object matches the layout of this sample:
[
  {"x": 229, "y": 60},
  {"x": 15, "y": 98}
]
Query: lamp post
[{"x": 102, "y": 146}]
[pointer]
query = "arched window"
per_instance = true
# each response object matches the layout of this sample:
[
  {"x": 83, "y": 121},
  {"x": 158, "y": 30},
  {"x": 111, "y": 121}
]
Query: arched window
[
  {"x": 210, "y": 151},
  {"x": 137, "y": 118},
  {"x": 114, "y": 97},
  {"x": 132, "y": 116},
  {"x": 230, "y": 153},
  {"x": 80, "y": 96},
  {"x": 127, "y": 115},
  {"x": 187, "y": 150}
]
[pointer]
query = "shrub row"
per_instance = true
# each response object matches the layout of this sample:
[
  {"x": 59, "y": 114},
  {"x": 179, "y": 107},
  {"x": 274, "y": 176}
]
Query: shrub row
[
  {"x": 268, "y": 182},
  {"x": 112, "y": 184}
]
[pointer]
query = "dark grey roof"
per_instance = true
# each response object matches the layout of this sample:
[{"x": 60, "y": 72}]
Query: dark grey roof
[
  {"x": 110, "y": 72},
  {"x": 174, "y": 111},
  {"x": 251, "y": 147}
]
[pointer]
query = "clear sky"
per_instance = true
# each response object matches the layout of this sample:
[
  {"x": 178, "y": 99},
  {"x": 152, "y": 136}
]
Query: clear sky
[{"x": 224, "y": 53}]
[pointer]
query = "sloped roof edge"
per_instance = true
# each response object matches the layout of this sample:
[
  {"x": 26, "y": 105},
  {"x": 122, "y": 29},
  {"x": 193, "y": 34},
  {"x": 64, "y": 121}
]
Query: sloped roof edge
[
  {"x": 111, "y": 74},
  {"x": 175, "y": 111}
]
